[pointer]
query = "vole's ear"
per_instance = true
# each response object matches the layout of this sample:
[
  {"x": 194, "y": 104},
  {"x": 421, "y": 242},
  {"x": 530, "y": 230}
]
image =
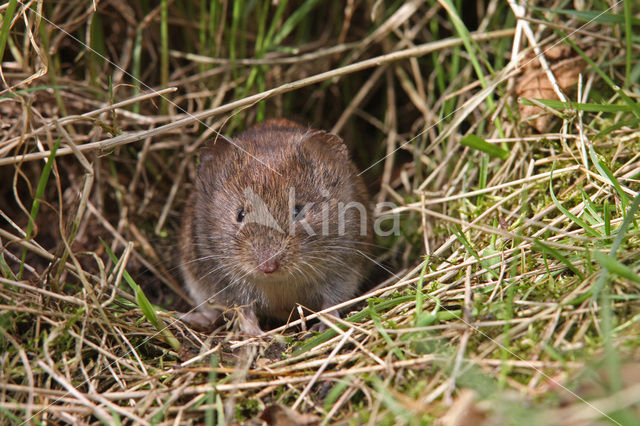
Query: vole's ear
[
  {"x": 216, "y": 149},
  {"x": 325, "y": 142}
]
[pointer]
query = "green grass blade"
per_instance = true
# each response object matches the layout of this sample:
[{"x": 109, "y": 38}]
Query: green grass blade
[
  {"x": 590, "y": 207},
  {"x": 634, "y": 105},
  {"x": 262, "y": 25},
  {"x": 617, "y": 242},
  {"x": 277, "y": 16},
  {"x": 480, "y": 144},
  {"x": 12, "y": 417},
  {"x": 5, "y": 268},
  {"x": 608, "y": 175},
  {"x": 463, "y": 32},
  {"x": 149, "y": 312},
  {"x": 98, "y": 51},
  {"x": 209, "y": 414},
  {"x": 472, "y": 49},
  {"x": 213, "y": 47},
  {"x": 136, "y": 68},
  {"x": 628, "y": 33},
  {"x": 292, "y": 22},
  {"x": 14, "y": 94},
  {"x": 381, "y": 331},
  {"x": 607, "y": 218},
  {"x": 449, "y": 314},
  {"x": 615, "y": 267},
  {"x": 586, "y": 107},
  {"x": 35, "y": 205},
  {"x": 460, "y": 235},
  {"x": 365, "y": 313},
  {"x": 559, "y": 256},
  {"x": 632, "y": 123},
  {"x": 202, "y": 33},
  {"x": 164, "y": 52},
  {"x": 628, "y": 218},
  {"x": 505, "y": 349},
  {"x": 601, "y": 292},
  {"x": 235, "y": 24},
  {"x": 336, "y": 391},
  {"x": 581, "y": 223},
  {"x": 590, "y": 16},
  {"x": 419, "y": 294},
  {"x": 145, "y": 306},
  {"x": 6, "y": 25}
]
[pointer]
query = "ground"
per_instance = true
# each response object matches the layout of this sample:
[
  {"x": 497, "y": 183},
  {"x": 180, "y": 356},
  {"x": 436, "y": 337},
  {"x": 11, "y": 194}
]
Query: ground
[{"x": 506, "y": 138}]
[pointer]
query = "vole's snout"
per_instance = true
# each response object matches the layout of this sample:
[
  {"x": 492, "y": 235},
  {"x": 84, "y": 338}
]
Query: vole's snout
[
  {"x": 269, "y": 266},
  {"x": 269, "y": 261}
]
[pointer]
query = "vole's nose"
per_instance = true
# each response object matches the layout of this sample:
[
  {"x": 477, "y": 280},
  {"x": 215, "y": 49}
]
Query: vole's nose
[
  {"x": 269, "y": 261},
  {"x": 269, "y": 266}
]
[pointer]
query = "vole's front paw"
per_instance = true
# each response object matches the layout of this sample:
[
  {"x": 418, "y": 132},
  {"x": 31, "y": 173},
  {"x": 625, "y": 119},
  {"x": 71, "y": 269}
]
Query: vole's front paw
[
  {"x": 200, "y": 320},
  {"x": 321, "y": 326},
  {"x": 249, "y": 322}
]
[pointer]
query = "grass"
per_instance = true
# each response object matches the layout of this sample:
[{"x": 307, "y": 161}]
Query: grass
[{"x": 511, "y": 294}]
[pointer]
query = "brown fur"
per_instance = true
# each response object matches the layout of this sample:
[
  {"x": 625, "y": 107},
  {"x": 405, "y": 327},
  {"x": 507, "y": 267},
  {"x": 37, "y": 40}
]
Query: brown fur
[{"x": 221, "y": 257}]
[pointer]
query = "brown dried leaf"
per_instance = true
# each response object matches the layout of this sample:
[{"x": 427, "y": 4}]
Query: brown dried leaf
[{"x": 565, "y": 64}]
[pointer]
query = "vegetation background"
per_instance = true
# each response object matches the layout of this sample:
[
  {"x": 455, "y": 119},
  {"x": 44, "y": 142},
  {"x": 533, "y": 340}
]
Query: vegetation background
[{"x": 511, "y": 147}]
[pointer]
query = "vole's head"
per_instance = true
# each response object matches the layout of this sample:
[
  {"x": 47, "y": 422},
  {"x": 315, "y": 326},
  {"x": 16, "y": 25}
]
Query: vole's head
[{"x": 278, "y": 203}]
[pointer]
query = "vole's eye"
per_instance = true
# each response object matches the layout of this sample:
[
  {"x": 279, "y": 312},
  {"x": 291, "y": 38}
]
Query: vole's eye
[
  {"x": 241, "y": 215},
  {"x": 297, "y": 213}
]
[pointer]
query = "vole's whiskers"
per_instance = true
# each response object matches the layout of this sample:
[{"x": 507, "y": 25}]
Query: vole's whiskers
[{"x": 202, "y": 259}]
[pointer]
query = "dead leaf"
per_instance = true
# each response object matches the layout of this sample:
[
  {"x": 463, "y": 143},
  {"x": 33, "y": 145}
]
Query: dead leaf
[
  {"x": 565, "y": 64},
  {"x": 279, "y": 415}
]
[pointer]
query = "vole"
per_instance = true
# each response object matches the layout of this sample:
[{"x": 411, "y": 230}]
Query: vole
[{"x": 278, "y": 216}]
